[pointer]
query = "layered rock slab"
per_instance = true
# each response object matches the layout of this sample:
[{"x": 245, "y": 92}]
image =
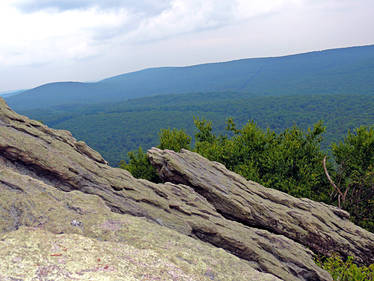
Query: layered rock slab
[
  {"x": 35, "y": 156},
  {"x": 26, "y": 201},
  {"x": 75, "y": 236},
  {"x": 322, "y": 228}
]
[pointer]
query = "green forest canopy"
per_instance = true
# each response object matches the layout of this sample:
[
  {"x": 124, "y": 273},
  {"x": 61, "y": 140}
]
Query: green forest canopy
[{"x": 116, "y": 129}]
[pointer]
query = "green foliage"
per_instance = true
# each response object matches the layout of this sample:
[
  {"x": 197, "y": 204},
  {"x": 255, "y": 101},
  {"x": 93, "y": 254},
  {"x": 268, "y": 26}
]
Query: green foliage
[
  {"x": 346, "y": 271},
  {"x": 205, "y": 131},
  {"x": 289, "y": 161},
  {"x": 115, "y": 129},
  {"x": 355, "y": 174},
  {"x": 174, "y": 139},
  {"x": 139, "y": 166}
]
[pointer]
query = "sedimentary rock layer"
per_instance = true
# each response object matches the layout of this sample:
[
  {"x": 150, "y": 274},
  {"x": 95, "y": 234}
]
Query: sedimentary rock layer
[
  {"x": 75, "y": 236},
  {"x": 323, "y": 228}
]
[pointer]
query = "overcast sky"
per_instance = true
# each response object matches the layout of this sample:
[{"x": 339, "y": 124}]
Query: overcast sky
[{"x": 86, "y": 40}]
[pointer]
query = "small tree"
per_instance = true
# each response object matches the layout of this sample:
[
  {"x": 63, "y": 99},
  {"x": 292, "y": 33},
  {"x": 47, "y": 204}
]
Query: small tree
[
  {"x": 174, "y": 139},
  {"x": 355, "y": 175},
  {"x": 289, "y": 161}
]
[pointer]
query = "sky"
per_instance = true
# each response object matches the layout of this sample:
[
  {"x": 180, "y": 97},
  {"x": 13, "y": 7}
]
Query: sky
[{"x": 44, "y": 41}]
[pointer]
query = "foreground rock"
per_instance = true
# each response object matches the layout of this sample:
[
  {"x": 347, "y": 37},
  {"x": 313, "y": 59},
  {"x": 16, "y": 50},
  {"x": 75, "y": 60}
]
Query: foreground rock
[
  {"x": 324, "y": 229},
  {"x": 75, "y": 236},
  {"x": 51, "y": 182},
  {"x": 26, "y": 201}
]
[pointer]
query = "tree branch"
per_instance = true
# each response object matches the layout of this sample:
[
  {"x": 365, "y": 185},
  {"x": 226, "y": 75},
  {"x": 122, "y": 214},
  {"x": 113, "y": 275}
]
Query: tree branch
[{"x": 332, "y": 183}]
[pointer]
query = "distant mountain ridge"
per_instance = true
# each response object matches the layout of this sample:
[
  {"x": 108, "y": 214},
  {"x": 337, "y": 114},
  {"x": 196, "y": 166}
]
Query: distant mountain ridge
[
  {"x": 335, "y": 71},
  {"x": 10, "y": 93}
]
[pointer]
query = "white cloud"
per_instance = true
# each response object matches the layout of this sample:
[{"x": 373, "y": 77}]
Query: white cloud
[
  {"x": 144, "y": 6},
  {"x": 44, "y": 36},
  {"x": 196, "y": 15},
  {"x": 246, "y": 9}
]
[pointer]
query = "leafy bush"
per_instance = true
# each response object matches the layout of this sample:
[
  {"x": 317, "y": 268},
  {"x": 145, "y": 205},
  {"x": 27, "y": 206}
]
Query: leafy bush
[
  {"x": 355, "y": 175},
  {"x": 289, "y": 161},
  {"x": 346, "y": 271},
  {"x": 174, "y": 139},
  {"x": 139, "y": 166}
]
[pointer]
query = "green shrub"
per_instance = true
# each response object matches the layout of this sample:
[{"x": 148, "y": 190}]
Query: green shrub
[
  {"x": 290, "y": 161},
  {"x": 355, "y": 175},
  {"x": 174, "y": 140},
  {"x": 139, "y": 166},
  {"x": 346, "y": 271}
]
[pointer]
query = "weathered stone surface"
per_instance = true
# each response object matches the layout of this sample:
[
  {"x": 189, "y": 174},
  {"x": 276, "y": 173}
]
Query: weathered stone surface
[
  {"x": 324, "y": 229},
  {"x": 47, "y": 180},
  {"x": 26, "y": 201},
  {"x": 100, "y": 245}
]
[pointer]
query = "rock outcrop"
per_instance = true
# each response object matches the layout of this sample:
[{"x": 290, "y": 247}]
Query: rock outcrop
[
  {"x": 55, "y": 190},
  {"x": 75, "y": 236},
  {"x": 322, "y": 228}
]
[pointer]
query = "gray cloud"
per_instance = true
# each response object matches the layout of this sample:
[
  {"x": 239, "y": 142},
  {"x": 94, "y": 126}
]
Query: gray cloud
[{"x": 149, "y": 7}]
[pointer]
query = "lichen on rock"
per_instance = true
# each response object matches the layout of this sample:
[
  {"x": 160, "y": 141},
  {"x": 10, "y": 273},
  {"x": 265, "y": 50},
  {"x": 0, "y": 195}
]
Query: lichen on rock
[{"x": 37, "y": 254}]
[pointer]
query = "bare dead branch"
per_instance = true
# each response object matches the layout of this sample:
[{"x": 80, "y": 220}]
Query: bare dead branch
[
  {"x": 341, "y": 195},
  {"x": 345, "y": 193}
]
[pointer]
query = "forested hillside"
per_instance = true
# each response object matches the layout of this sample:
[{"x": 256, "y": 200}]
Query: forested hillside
[
  {"x": 337, "y": 71},
  {"x": 115, "y": 129}
]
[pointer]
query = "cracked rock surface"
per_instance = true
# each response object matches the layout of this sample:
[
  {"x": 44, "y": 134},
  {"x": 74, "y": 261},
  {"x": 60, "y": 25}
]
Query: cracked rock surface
[
  {"x": 54, "y": 188},
  {"x": 322, "y": 228}
]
